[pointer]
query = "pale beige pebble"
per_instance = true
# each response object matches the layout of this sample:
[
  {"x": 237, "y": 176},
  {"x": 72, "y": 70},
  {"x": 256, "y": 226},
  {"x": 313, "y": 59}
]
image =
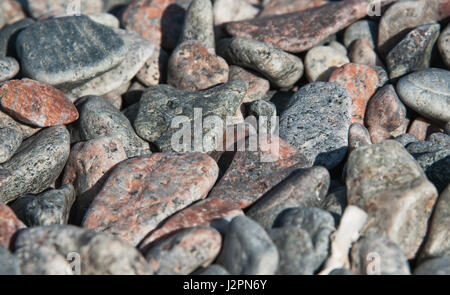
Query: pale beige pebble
[
  {"x": 233, "y": 10},
  {"x": 105, "y": 19},
  {"x": 321, "y": 61},
  {"x": 338, "y": 47},
  {"x": 12, "y": 11}
]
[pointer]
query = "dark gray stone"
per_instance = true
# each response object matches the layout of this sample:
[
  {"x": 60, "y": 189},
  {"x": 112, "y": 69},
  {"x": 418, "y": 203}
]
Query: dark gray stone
[
  {"x": 441, "y": 139},
  {"x": 199, "y": 23},
  {"x": 212, "y": 270},
  {"x": 427, "y": 92},
  {"x": 335, "y": 203},
  {"x": 36, "y": 165},
  {"x": 363, "y": 29},
  {"x": 303, "y": 188},
  {"x": 8, "y": 36},
  {"x": 436, "y": 266},
  {"x": 51, "y": 207},
  {"x": 99, "y": 253},
  {"x": 265, "y": 112},
  {"x": 279, "y": 67},
  {"x": 378, "y": 255},
  {"x": 406, "y": 139},
  {"x": 317, "y": 121},
  {"x": 9, "y": 264},
  {"x": 100, "y": 118},
  {"x": 413, "y": 52},
  {"x": 66, "y": 51},
  {"x": 10, "y": 140},
  {"x": 159, "y": 105},
  {"x": 248, "y": 249}
]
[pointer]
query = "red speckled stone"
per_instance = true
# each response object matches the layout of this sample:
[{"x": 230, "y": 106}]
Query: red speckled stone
[
  {"x": 360, "y": 81},
  {"x": 300, "y": 31},
  {"x": 141, "y": 192},
  {"x": 277, "y": 7},
  {"x": 9, "y": 224},
  {"x": 37, "y": 103}
]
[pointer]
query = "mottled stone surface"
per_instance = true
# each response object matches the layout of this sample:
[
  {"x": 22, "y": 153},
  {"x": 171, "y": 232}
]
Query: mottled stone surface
[
  {"x": 139, "y": 51},
  {"x": 205, "y": 212},
  {"x": 360, "y": 81},
  {"x": 9, "y": 68},
  {"x": 300, "y": 31},
  {"x": 47, "y": 8},
  {"x": 105, "y": 19},
  {"x": 194, "y": 66},
  {"x": 7, "y": 121},
  {"x": 378, "y": 255},
  {"x": 277, "y": 7},
  {"x": 10, "y": 139},
  {"x": 363, "y": 29},
  {"x": 303, "y": 188},
  {"x": 42, "y": 260},
  {"x": 438, "y": 243},
  {"x": 98, "y": 49},
  {"x": 9, "y": 34},
  {"x": 361, "y": 52},
  {"x": 51, "y": 207},
  {"x": 99, "y": 118},
  {"x": 9, "y": 225},
  {"x": 37, "y": 103},
  {"x": 444, "y": 46},
  {"x": 385, "y": 109},
  {"x": 436, "y": 266},
  {"x": 199, "y": 23},
  {"x": 142, "y": 192},
  {"x": 248, "y": 249},
  {"x": 99, "y": 254},
  {"x": 12, "y": 11},
  {"x": 212, "y": 270},
  {"x": 159, "y": 105},
  {"x": 154, "y": 70},
  {"x": 379, "y": 134},
  {"x": 36, "y": 165},
  {"x": 321, "y": 61},
  {"x": 386, "y": 182},
  {"x": 317, "y": 121},
  {"x": 257, "y": 86},
  {"x": 427, "y": 92},
  {"x": 413, "y": 52},
  {"x": 358, "y": 136},
  {"x": 233, "y": 10},
  {"x": 184, "y": 251},
  {"x": 281, "y": 68},
  {"x": 9, "y": 264},
  {"x": 335, "y": 203}
]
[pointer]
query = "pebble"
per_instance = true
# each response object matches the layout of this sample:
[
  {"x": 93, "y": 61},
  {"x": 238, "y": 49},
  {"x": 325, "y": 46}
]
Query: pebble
[
  {"x": 335, "y": 203},
  {"x": 386, "y": 182},
  {"x": 358, "y": 136},
  {"x": 379, "y": 134},
  {"x": 247, "y": 249},
  {"x": 303, "y": 188},
  {"x": 361, "y": 30},
  {"x": 184, "y": 251},
  {"x": 277, "y": 7},
  {"x": 361, "y": 52},
  {"x": 8, "y": 36},
  {"x": 427, "y": 92},
  {"x": 105, "y": 19},
  {"x": 257, "y": 86},
  {"x": 194, "y": 66},
  {"x": 321, "y": 62},
  {"x": 280, "y": 68},
  {"x": 9, "y": 225},
  {"x": 385, "y": 109},
  {"x": 51, "y": 207},
  {"x": 378, "y": 255},
  {"x": 302, "y": 236},
  {"x": 317, "y": 121},
  {"x": 139, "y": 51},
  {"x": 420, "y": 128},
  {"x": 99, "y": 118},
  {"x": 233, "y": 10},
  {"x": 9, "y": 68},
  {"x": 360, "y": 81},
  {"x": 444, "y": 46},
  {"x": 141, "y": 192},
  {"x": 436, "y": 266},
  {"x": 37, "y": 103},
  {"x": 210, "y": 212},
  {"x": 10, "y": 140},
  {"x": 36, "y": 165},
  {"x": 99, "y": 254},
  {"x": 438, "y": 243},
  {"x": 301, "y": 30},
  {"x": 212, "y": 270},
  {"x": 413, "y": 52},
  {"x": 9, "y": 264},
  {"x": 12, "y": 11},
  {"x": 253, "y": 173},
  {"x": 41, "y": 60},
  {"x": 7, "y": 121},
  {"x": 46, "y": 8},
  {"x": 42, "y": 260},
  {"x": 199, "y": 24},
  {"x": 160, "y": 104},
  {"x": 440, "y": 138},
  {"x": 154, "y": 70}
]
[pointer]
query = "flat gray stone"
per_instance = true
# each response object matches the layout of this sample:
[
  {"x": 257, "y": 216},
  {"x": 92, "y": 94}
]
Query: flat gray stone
[
  {"x": 362, "y": 29},
  {"x": 100, "y": 118},
  {"x": 303, "y": 188},
  {"x": 248, "y": 249},
  {"x": 36, "y": 165},
  {"x": 444, "y": 46},
  {"x": 9, "y": 264},
  {"x": 436, "y": 266},
  {"x": 316, "y": 121},
  {"x": 10, "y": 140},
  {"x": 51, "y": 207},
  {"x": 279, "y": 67},
  {"x": 427, "y": 92},
  {"x": 84, "y": 49},
  {"x": 8, "y": 36},
  {"x": 9, "y": 68}
]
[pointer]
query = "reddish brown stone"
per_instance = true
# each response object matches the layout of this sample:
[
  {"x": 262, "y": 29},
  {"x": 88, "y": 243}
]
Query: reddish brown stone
[
  {"x": 160, "y": 21},
  {"x": 257, "y": 85},
  {"x": 141, "y": 192},
  {"x": 12, "y": 11},
  {"x": 201, "y": 213},
  {"x": 252, "y": 173},
  {"x": 277, "y": 7},
  {"x": 360, "y": 81},
  {"x": 421, "y": 128},
  {"x": 361, "y": 52},
  {"x": 37, "y": 103},
  {"x": 385, "y": 109},
  {"x": 300, "y": 31},
  {"x": 9, "y": 224},
  {"x": 193, "y": 66},
  {"x": 378, "y": 134}
]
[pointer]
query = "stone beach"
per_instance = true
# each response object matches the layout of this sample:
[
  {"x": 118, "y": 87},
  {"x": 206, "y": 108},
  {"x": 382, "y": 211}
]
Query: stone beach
[{"x": 224, "y": 137}]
